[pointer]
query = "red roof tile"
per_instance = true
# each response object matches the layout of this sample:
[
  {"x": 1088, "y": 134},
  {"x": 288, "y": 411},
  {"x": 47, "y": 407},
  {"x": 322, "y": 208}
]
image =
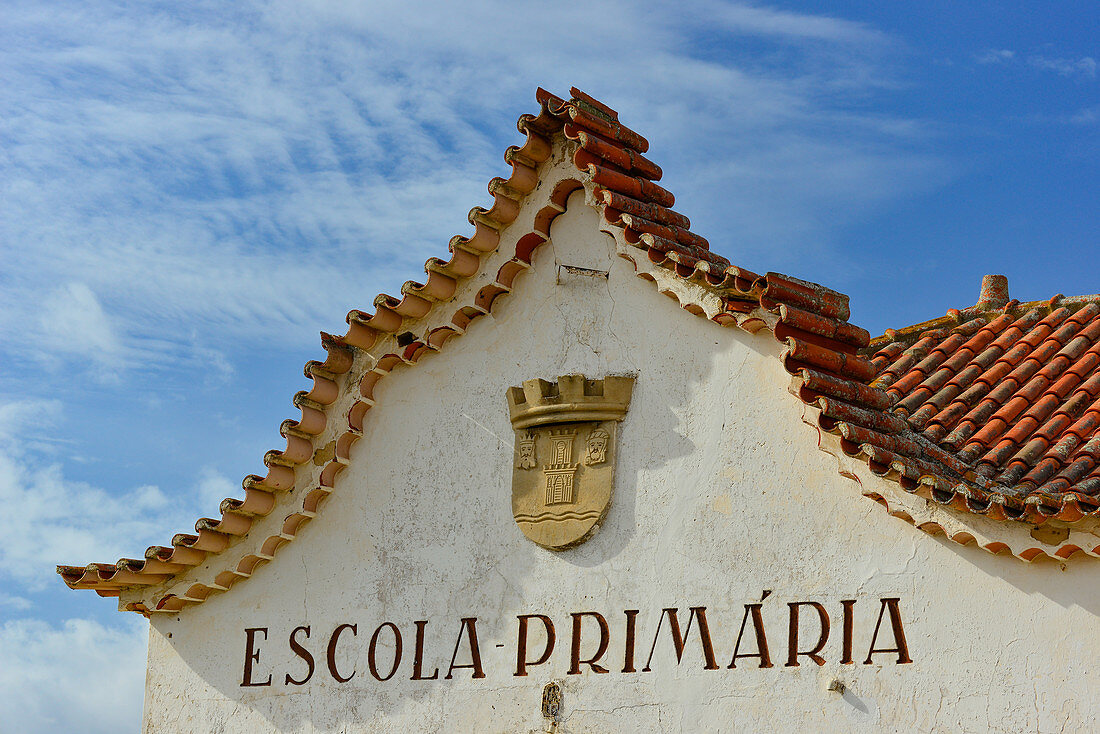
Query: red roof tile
[{"x": 1002, "y": 397}]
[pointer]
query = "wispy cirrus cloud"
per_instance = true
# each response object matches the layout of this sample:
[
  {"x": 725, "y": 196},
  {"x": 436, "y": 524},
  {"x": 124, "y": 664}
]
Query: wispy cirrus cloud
[
  {"x": 756, "y": 20},
  {"x": 995, "y": 56},
  {"x": 1087, "y": 116},
  {"x": 1081, "y": 66},
  {"x": 181, "y": 186},
  {"x": 1084, "y": 66},
  {"x": 1081, "y": 118},
  {"x": 73, "y": 325},
  {"x": 254, "y": 173}
]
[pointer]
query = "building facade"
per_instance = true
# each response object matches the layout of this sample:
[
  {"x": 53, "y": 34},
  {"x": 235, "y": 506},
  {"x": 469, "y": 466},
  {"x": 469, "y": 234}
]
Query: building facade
[{"x": 590, "y": 477}]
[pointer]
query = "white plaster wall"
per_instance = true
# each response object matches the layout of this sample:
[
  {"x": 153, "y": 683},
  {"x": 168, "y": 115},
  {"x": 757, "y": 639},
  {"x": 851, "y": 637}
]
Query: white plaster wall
[{"x": 720, "y": 495}]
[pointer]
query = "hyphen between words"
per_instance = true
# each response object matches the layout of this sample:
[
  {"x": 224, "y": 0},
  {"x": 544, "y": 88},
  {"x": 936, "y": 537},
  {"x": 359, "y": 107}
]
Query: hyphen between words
[{"x": 589, "y": 647}]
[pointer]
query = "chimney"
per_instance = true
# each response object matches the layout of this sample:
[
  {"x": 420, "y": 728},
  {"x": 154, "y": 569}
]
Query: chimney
[{"x": 994, "y": 292}]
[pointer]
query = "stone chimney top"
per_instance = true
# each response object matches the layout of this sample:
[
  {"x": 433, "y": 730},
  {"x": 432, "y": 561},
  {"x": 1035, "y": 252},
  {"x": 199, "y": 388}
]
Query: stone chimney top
[{"x": 994, "y": 292}]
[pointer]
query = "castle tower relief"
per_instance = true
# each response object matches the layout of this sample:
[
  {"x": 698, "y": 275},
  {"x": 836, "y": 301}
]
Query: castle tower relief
[{"x": 563, "y": 472}]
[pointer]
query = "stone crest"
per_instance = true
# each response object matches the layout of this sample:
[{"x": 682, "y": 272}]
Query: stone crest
[{"x": 563, "y": 471}]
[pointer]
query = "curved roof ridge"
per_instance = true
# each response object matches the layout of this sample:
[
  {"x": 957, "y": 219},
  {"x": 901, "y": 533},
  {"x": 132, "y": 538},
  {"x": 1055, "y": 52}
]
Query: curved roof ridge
[
  {"x": 837, "y": 371},
  {"x": 956, "y": 318},
  {"x": 607, "y": 154}
]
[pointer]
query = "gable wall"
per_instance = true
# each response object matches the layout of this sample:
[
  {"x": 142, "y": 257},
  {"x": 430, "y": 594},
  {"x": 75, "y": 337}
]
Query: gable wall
[{"x": 721, "y": 495}]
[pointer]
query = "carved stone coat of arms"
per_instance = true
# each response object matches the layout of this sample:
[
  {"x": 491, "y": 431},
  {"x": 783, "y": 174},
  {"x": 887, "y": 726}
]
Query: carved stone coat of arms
[{"x": 563, "y": 471}]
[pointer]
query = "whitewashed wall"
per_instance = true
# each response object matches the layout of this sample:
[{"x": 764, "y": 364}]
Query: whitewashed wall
[{"x": 721, "y": 495}]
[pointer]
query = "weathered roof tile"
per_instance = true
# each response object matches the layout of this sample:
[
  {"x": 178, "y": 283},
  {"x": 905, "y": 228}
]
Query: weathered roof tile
[{"x": 1013, "y": 405}]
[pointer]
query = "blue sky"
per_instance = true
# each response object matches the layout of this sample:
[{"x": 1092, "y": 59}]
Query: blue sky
[{"x": 189, "y": 192}]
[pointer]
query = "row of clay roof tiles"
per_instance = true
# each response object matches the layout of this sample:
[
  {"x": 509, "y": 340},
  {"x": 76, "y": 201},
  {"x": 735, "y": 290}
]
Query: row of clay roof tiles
[
  {"x": 612, "y": 157},
  {"x": 828, "y": 356},
  {"x": 812, "y": 319},
  {"x": 1010, "y": 393}
]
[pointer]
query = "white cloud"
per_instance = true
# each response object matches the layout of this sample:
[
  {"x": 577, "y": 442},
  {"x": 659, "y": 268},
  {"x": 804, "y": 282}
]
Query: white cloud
[
  {"x": 1082, "y": 117},
  {"x": 255, "y": 175},
  {"x": 26, "y": 417},
  {"x": 76, "y": 677},
  {"x": 995, "y": 56},
  {"x": 1087, "y": 116},
  {"x": 764, "y": 21},
  {"x": 214, "y": 487},
  {"x": 60, "y": 520},
  {"x": 72, "y": 323},
  {"x": 1084, "y": 66},
  {"x": 17, "y": 603}
]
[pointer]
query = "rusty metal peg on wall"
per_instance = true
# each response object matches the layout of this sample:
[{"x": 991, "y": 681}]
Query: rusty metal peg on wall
[{"x": 551, "y": 704}]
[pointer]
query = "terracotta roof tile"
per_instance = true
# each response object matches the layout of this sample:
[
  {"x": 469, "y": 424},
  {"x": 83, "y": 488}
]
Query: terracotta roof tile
[{"x": 1008, "y": 397}]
